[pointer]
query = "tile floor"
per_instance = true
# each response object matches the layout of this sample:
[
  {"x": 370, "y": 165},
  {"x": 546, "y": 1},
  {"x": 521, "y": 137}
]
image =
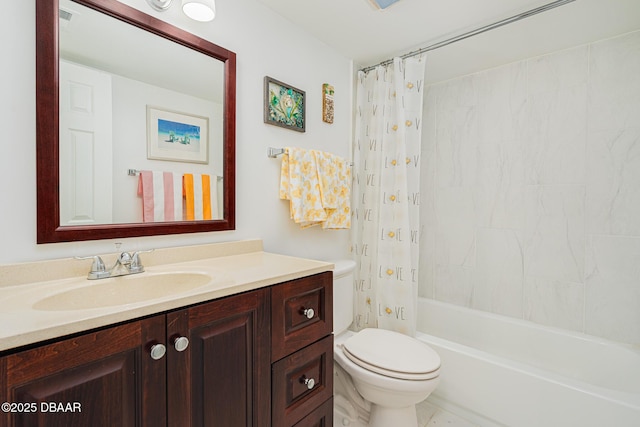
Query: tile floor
[
  {"x": 428, "y": 415},
  {"x": 431, "y": 415}
]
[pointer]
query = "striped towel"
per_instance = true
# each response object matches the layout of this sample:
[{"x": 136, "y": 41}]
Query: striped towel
[
  {"x": 200, "y": 196},
  {"x": 161, "y": 196}
]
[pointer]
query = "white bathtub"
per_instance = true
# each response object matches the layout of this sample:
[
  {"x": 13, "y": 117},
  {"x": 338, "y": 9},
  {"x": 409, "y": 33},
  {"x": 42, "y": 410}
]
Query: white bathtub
[{"x": 499, "y": 371}]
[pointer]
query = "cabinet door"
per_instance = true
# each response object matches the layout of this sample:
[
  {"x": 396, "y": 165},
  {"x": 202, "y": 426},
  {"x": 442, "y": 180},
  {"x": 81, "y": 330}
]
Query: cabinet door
[
  {"x": 104, "y": 378},
  {"x": 222, "y": 379}
]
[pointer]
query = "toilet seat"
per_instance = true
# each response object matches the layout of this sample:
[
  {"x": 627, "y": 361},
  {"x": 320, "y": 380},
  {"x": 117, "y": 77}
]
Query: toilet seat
[{"x": 392, "y": 354}]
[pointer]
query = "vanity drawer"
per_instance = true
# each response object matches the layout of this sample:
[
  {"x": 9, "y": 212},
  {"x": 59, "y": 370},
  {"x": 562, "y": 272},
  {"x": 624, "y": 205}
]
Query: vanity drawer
[
  {"x": 322, "y": 416},
  {"x": 301, "y": 382},
  {"x": 301, "y": 313}
]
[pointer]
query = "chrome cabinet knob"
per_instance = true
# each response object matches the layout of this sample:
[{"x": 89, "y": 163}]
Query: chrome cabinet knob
[
  {"x": 309, "y": 382},
  {"x": 158, "y": 351},
  {"x": 181, "y": 343},
  {"x": 309, "y": 313}
]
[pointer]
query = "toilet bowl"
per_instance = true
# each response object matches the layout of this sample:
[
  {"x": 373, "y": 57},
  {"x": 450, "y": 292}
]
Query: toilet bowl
[{"x": 390, "y": 372}]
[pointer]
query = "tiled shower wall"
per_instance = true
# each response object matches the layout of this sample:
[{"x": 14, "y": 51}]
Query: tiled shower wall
[{"x": 531, "y": 190}]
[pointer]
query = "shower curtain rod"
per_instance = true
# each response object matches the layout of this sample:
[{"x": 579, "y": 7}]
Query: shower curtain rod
[{"x": 477, "y": 31}]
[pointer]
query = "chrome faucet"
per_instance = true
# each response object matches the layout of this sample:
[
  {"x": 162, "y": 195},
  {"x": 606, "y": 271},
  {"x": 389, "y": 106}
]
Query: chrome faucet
[{"x": 126, "y": 263}]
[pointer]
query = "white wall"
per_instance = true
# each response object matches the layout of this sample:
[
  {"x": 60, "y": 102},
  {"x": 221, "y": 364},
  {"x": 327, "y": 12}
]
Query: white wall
[
  {"x": 531, "y": 184},
  {"x": 265, "y": 44}
]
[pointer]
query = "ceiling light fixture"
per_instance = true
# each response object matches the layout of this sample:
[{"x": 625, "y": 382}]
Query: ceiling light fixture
[
  {"x": 159, "y": 5},
  {"x": 198, "y": 10}
]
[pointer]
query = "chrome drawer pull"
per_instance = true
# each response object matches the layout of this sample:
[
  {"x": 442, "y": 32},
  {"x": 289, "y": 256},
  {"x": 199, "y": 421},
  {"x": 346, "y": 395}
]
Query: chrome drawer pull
[
  {"x": 158, "y": 351},
  {"x": 309, "y": 382},
  {"x": 308, "y": 312},
  {"x": 181, "y": 343}
]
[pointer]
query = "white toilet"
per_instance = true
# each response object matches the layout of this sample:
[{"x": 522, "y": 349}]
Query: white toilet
[{"x": 380, "y": 375}]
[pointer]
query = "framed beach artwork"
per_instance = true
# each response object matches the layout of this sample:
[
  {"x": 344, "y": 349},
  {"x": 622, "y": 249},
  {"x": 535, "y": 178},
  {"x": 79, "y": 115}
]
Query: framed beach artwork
[
  {"x": 284, "y": 105},
  {"x": 176, "y": 136}
]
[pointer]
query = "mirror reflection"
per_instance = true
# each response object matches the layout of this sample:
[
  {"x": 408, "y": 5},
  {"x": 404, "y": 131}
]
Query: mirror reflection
[{"x": 141, "y": 124}]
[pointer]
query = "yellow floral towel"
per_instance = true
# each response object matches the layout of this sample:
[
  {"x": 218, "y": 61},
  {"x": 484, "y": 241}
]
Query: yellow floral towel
[
  {"x": 299, "y": 184},
  {"x": 334, "y": 175},
  {"x": 317, "y": 187}
]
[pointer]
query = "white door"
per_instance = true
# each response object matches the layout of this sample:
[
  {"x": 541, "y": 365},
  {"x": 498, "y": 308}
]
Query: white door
[{"x": 85, "y": 146}]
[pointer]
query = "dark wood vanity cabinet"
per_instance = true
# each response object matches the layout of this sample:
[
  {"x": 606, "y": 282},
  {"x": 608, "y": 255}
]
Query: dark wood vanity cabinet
[
  {"x": 103, "y": 378},
  {"x": 302, "y": 352},
  {"x": 223, "y": 380},
  {"x": 218, "y": 369}
]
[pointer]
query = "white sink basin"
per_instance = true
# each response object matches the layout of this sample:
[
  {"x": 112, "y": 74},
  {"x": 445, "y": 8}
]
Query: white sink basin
[{"x": 123, "y": 290}]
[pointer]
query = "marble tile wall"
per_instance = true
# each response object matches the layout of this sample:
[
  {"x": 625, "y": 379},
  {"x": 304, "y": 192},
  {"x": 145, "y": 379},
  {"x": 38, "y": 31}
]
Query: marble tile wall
[{"x": 531, "y": 190}]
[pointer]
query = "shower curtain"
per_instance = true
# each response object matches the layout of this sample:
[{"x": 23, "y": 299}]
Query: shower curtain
[{"x": 386, "y": 195}]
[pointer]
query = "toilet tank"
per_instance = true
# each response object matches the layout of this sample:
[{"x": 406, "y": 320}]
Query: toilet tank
[{"x": 343, "y": 293}]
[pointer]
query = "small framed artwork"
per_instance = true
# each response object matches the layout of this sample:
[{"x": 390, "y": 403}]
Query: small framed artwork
[
  {"x": 175, "y": 136},
  {"x": 284, "y": 105},
  {"x": 327, "y": 103}
]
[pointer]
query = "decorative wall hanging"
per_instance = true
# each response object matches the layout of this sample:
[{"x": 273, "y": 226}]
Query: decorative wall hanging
[
  {"x": 177, "y": 136},
  {"x": 284, "y": 105},
  {"x": 327, "y": 103}
]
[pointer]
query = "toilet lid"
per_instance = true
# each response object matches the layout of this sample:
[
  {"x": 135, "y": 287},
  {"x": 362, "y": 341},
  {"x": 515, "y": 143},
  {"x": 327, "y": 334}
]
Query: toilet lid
[{"x": 392, "y": 354}]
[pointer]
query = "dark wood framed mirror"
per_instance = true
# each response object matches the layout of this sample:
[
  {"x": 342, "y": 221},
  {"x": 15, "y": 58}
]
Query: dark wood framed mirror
[{"x": 48, "y": 74}]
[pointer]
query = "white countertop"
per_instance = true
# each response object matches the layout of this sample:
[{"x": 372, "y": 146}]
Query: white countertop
[{"x": 21, "y": 323}]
